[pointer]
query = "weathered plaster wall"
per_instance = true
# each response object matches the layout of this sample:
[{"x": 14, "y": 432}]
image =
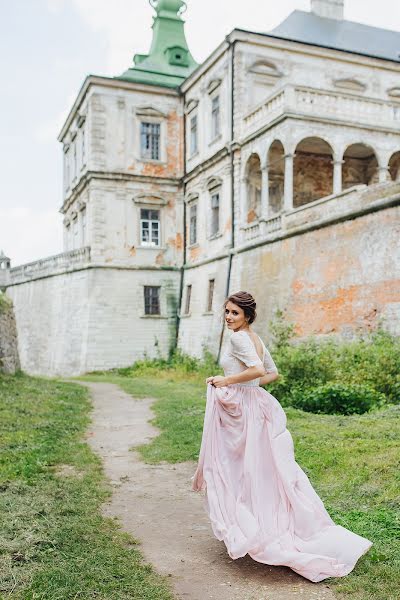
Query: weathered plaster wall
[
  {"x": 329, "y": 281},
  {"x": 9, "y": 359},
  {"x": 92, "y": 319}
]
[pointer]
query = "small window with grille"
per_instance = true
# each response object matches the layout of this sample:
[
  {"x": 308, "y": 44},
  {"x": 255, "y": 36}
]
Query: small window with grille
[
  {"x": 150, "y": 136},
  {"x": 188, "y": 298},
  {"x": 211, "y": 284},
  {"x": 193, "y": 224},
  {"x": 149, "y": 227},
  {"x": 151, "y": 300}
]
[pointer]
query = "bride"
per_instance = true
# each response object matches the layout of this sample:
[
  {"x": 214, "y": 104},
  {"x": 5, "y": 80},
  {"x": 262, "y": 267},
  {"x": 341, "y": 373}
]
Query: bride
[{"x": 258, "y": 499}]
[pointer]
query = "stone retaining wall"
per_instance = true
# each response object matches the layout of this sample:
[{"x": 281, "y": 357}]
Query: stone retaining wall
[{"x": 9, "y": 359}]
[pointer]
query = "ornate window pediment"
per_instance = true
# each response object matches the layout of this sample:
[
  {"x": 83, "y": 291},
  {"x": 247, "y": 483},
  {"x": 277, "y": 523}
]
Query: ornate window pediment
[
  {"x": 350, "y": 84},
  {"x": 213, "y": 85},
  {"x": 150, "y": 111},
  {"x": 192, "y": 197},
  {"x": 191, "y": 105},
  {"x": 214, "y": 182},
  {"x": 394, "y": 92},
  {"x": 265, "y": 68},
  {"x": 149, "y": 199}
]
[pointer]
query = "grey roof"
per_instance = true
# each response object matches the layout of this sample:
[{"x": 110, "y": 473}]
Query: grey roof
[{"x": 306, "y": 27}]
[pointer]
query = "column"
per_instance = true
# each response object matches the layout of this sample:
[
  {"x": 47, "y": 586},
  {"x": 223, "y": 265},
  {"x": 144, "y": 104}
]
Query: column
[
  {"x": 384, "y": 174},
  {"x": 288, "y": 191},
  {"x": 243, "y": 201},
  {"x": 264, "y": 192},
  {"x": 337, "y": 176}
]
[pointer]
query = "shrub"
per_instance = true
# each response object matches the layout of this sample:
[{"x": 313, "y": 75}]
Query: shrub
[
  {"x": 372, "y": 360},
  {"x": 338, "y": 398}
]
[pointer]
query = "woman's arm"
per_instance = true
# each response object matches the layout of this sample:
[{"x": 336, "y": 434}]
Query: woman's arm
[
  {"x": 268, "y": 378},
  {"x": 246, "y": 375}
]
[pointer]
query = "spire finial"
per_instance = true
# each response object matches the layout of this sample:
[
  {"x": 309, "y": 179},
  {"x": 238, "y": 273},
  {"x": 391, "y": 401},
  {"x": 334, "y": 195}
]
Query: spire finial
[{"x": 165, "y": 8}]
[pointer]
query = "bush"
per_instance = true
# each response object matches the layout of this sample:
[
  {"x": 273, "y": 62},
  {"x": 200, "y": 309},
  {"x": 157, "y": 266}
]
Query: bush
[
  {"x": 371, "y": 360},
  {"x": 338, "y": 398}
]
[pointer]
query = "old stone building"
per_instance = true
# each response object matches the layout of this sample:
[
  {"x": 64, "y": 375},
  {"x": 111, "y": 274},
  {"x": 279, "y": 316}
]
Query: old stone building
[{"x": 273, "y": 167}]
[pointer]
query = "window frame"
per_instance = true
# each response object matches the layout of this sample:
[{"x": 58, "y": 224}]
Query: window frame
[
  {"x": 188, "y": 297},
  {"x": 215, "y": 193},
  {"x": 152, "y": 123},
  {"x": 210, "y": 295},
  {"x": 194, "y": 134},
  {"x": 215, "y": 121},
  {"x": 146, "y": 301},
  {"x": 193, "y": 207},
  {"x": 149, "y": 244}
]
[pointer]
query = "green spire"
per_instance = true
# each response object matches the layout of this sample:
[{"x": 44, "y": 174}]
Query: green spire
[{"x": 169, "y": 61}]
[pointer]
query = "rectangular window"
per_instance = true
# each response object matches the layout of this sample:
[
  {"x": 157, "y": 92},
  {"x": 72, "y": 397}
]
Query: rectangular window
[
  {"x": 83, "y": 149},
  {"x": 193, "y": 135},
  {"x": 215, "y": 117},
  {"x": 149, "y": 227},
  {"x": 75, "y": 162},
  {"x": 214, "y": 213},
  {"x": 188, "y": 296},
  {"x": 75, "y": 243},
  {"x": 210, "y": 294},
  {"x": 67, "y": 169},
  {"x": 193, "y": 224},
  {"x": 67, "y": 237},
  {"x": 150, "y": 134},
  {"x": 83, "y": 226},
  {"x": 151, "y": 300}
]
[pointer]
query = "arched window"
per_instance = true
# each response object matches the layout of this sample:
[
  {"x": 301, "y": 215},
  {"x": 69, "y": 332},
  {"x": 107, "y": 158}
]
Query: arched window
[
  {"x": 394, "y": 166},
  {"x": 360, "y": 166},
  {"x": 312, "y": 171}
]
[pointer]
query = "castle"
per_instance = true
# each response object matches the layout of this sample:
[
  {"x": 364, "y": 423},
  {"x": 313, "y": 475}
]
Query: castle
[{"x": 273, "y": 167}]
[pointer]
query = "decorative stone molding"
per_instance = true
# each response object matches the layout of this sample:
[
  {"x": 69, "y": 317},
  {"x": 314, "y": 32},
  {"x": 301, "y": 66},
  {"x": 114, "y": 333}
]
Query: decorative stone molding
[
  {"x": 149, "y": 199},
  {"x": 149, "y": 111},
  {"x": 214, "y": 182},
  {"x": 192, "y": 197},
  {"x": 213, "y": 85},
  {"x": 191, "y": 105},
  {"x": 353, "y": 85},
  {"x": 394, "y": 92}
]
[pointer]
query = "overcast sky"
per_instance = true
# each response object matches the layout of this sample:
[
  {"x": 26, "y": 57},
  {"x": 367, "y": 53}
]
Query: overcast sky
[{"x": 47, "y": 47}]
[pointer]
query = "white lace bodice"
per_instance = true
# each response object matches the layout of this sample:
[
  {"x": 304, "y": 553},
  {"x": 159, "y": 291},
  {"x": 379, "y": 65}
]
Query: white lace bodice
[{"x": 241, "y": 354}]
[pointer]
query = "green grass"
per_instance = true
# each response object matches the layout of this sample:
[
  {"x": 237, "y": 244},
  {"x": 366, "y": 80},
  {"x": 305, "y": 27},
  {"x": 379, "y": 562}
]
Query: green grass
[
  {"x": 352, "y": 461},
  {"x": 54, "y": 543}
]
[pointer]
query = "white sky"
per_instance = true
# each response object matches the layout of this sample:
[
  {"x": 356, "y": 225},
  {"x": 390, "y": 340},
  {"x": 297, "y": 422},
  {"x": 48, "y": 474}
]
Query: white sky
[{"x": 47, "y": 47}]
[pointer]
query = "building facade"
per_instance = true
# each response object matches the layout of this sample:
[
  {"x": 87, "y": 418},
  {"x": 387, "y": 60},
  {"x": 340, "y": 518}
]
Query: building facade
[{"x": 273, "y": 167}]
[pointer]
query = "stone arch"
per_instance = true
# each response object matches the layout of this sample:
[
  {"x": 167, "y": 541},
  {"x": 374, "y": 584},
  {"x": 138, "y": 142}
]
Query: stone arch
[
  {"x": 360, "y": 165},
  {"x": 312, "y": 171},
  {"x": 276, "y": 176},
  {"x": 253, "y": 188},
  {"x": 394, "y": 166}
]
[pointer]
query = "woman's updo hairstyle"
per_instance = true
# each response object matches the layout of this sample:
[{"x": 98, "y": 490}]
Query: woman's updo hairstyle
[{"x": 246, "y": 303}]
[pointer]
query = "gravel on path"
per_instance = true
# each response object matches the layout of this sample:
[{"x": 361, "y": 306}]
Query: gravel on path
[{"x": 156, "y": 505}]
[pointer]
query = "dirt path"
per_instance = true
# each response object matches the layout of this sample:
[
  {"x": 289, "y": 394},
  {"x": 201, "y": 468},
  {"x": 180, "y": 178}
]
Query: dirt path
[{"x": 156, "y": 505}]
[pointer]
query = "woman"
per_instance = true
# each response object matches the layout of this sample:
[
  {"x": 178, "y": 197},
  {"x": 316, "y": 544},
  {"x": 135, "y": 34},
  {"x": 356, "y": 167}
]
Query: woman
[{"x": 259, "y": 500}]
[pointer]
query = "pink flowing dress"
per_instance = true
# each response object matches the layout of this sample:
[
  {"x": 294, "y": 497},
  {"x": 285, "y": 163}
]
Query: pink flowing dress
[{"x": 259, "y": 501}]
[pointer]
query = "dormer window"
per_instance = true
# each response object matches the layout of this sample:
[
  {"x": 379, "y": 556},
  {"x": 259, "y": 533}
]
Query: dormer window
[{"x": 177, "y": 56}]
